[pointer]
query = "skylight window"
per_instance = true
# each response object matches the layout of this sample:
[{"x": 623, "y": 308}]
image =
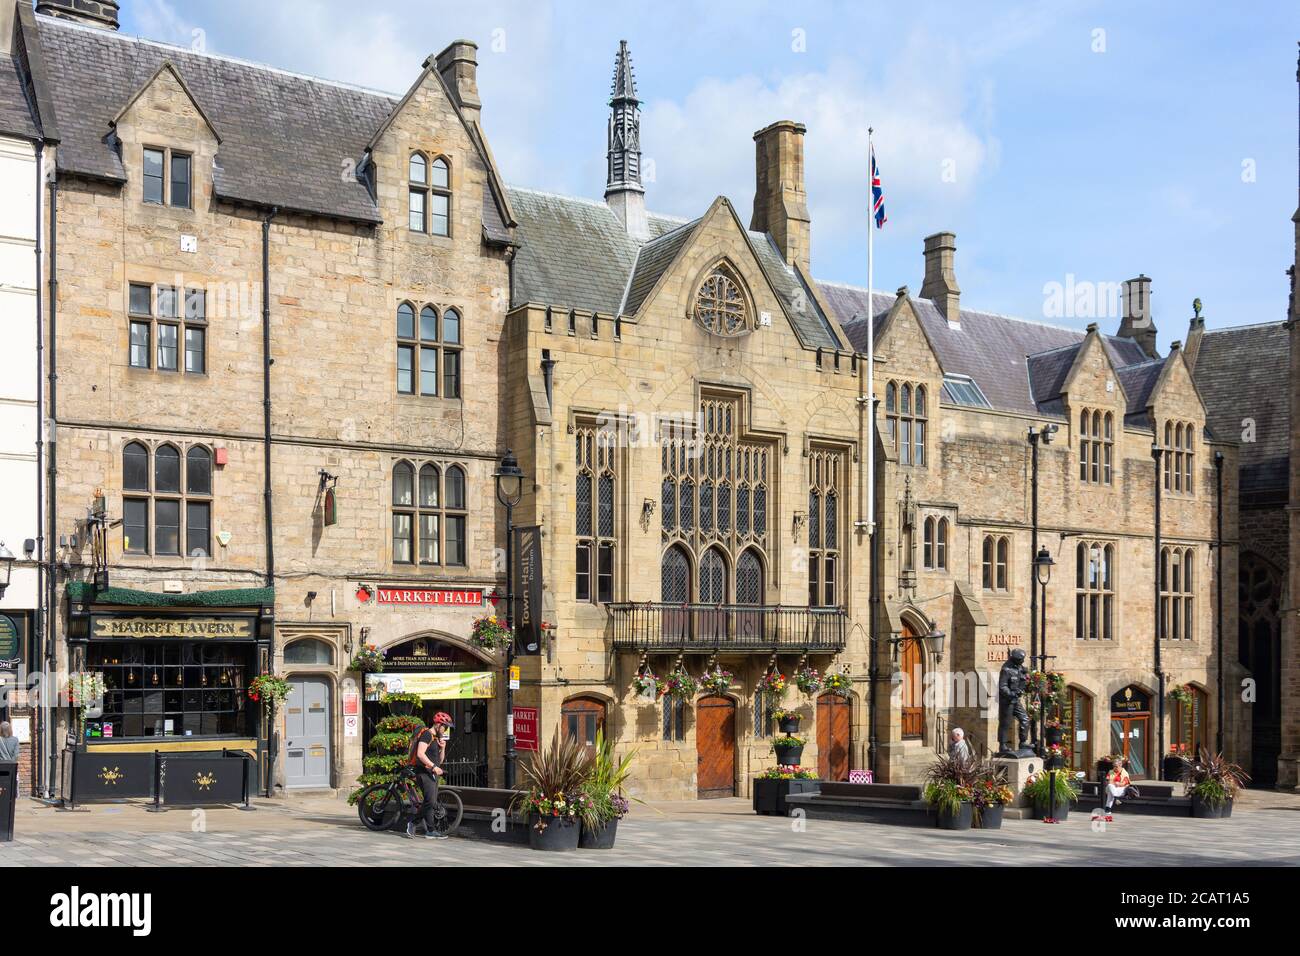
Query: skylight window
[{"x": 962, "y": 390}]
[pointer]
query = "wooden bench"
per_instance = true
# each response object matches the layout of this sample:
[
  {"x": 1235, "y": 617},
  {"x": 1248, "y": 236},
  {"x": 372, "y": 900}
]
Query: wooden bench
[{"x": 483, "y": 810}]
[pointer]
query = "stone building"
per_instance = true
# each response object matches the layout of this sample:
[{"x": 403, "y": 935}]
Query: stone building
[{"x": 289, "y": 353}]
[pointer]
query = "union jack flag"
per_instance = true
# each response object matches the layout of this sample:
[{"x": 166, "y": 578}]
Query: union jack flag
[{"x": 877, "y": 193}]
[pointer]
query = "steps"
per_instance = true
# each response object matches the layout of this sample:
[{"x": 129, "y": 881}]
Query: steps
[{"x": 896, "y": 804}]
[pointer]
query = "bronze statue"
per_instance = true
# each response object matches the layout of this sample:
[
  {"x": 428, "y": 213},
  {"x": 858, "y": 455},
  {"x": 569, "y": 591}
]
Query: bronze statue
[{"x": 1011, "y": 706}]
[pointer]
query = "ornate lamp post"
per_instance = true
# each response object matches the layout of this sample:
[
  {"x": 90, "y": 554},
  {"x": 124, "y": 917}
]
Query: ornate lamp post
[
  {"x": 6, "y": 567},
  {"x": 509, "y": 478},
  {"x": 1042, "y": 574},
  {"x": 1037, "y": 436}
]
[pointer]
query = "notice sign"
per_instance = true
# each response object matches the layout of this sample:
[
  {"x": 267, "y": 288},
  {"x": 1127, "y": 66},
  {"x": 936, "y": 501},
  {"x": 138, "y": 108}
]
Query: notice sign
[
  {"x": 351, "y": 703},
  {"x": 527, "y": 735},
  {"x": 228, "y": 628},
  {"x": 350, "y": 726},
  {"x": 438, "y": 597},
  {"x": 466, "y": 685}
]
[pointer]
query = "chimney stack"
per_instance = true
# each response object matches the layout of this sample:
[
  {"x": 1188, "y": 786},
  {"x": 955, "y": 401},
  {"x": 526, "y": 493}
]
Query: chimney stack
[
  {"x": 1138, "y": 323},
  {"x": 458, "y": 65},
  {"x": 95, "y": 13},
  {"x": 780, "y": 202},
  {"x": 940, "y": 283}
]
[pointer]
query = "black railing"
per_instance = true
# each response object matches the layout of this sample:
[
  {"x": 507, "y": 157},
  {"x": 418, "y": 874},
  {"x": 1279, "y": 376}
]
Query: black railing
[{"x": 705, "y": 628}]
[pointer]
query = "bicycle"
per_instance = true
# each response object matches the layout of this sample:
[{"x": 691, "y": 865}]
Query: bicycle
[{"x": 382, "y": 806}]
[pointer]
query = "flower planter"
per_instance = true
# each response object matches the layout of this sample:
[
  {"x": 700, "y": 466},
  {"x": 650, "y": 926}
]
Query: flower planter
[
  {"x": 557, "y": 837},
  {"x": 1053, "y": 735},
  {"x": 1171, "y": 768},
  {"x": 1062, "y": 810},
  {"x": 961, "y": 820},
  {"x": 601, "y": 838},
  {"x": 401, "y": 708},
  {"x": 789, "y": 725},
  {"x": 990, "y": 817},
  {"x": 769, "y": 795},
  {"x": 788, "y": 756},
  {"x": 1204, "y": 810}
]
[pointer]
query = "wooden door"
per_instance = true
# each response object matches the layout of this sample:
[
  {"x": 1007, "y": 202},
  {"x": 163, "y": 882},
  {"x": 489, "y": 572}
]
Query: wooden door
[
  {"x": 913, "y": 672},
  {"x": 583, "y": 717},
  {"x": 833, "y": 737},
  {"x": 715, "y": 744}
]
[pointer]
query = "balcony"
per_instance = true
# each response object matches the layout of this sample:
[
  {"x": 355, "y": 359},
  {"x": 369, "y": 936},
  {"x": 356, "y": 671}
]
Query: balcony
[{"x": 714, "y": 628}]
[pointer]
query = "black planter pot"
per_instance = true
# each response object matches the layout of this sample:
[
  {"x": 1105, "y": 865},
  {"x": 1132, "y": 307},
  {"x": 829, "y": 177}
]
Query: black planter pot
[
  {"x": 961, "y": 820},
  {"x": 769, "y": 795},
  {"x": 599, "y": 839},
  {"x": 557, "y": 837},
  {"x": 401, "y": 708},
  {"x": 788, "y": 756},
  {"x": 1204, "y": 810},
  {"x": 991, "y": 818},
  {"x": 1062, "y": 810},
  {"x": 1172, "y": 769},
  {"x": 789, "y": 725},
  {"x": 1053, "y": 735}
]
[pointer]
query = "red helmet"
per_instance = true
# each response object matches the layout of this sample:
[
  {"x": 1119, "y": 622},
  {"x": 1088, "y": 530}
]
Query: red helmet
[{"x": 442, "y": 719}]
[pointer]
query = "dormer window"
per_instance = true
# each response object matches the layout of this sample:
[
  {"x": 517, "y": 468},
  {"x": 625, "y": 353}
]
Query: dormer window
[
  {"x": 430, "y": 195},
  {"x": 168, "y": 177}
]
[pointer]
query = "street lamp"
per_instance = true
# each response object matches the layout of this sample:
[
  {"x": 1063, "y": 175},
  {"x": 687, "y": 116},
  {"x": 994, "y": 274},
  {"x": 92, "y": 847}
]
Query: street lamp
[
  {"x": 6, "y": 567},
  {"x": 1043, "y": 573},
  {"x": 935, "y": 639},
  {"x": 1041, "y": 435},
  {"x": 509, "y": 478}
]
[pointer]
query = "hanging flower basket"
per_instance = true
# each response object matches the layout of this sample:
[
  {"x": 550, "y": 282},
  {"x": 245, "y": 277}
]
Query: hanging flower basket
[
  {"x": 368, "y": 659},
  {"x": 270, "y": 688},
  {"x": 489, "y": 633},
  {"x": 716, "y": 681},
  {"x": 645, "y": 683},
  {"x": 679, "y": 685},
  {"x": 1181, "y": 694},
  {"x": 772, "y": 685},
  {"x": 808, "y": 680},
  {"x": 85, "y": 688},
  {"x": 837, "y": 684}
]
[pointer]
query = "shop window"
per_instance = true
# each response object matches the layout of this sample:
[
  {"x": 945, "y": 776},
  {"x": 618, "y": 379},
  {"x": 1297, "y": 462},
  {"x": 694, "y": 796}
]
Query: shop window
[
  {"x": 1191, "y": 723},
  {"x": 166, "y": 505}
]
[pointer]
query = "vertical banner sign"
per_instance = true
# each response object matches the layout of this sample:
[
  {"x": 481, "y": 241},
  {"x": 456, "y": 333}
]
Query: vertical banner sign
[
  {"x": 526, "y": 729},
  {"x": 528, "y": 594}
]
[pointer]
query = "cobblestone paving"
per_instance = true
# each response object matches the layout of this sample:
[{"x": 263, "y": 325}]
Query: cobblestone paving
[{"x": 715, "y": 833}]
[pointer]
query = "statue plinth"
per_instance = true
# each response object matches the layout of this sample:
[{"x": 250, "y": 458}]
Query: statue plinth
[{"x": 1018, "y": 771}]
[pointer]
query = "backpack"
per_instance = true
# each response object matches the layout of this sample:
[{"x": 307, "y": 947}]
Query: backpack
[{"x": 411, "y": 759}]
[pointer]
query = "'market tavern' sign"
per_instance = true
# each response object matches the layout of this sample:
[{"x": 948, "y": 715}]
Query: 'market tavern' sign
[{"x": 103, "y": 627}]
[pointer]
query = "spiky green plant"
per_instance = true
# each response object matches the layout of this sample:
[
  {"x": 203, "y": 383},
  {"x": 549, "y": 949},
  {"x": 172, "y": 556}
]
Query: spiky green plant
[
  {"x": 604, "y": 784},
  {"x": 558, "y": 772},
  {"x": 1213, "y": 777}
]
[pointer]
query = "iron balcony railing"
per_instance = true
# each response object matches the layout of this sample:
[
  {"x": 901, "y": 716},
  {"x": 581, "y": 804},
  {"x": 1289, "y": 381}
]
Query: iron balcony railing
[{"x": 705, "y": 628}]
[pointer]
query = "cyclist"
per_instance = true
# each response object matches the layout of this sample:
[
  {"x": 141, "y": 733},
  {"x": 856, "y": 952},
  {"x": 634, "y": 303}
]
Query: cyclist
[{"x": 428, "y": 753}]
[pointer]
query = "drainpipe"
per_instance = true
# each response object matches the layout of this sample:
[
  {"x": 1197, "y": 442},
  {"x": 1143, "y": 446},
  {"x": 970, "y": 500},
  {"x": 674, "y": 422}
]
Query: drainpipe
[
  {"x": 548, "y": 376},
  {"x": 38, "y": 759},
  {"x": 1218, "y": 595},
  {"x": 268, "y": 515},
  {"x": 1156, "y": 452},
  {"x": 52, "y": 474}
]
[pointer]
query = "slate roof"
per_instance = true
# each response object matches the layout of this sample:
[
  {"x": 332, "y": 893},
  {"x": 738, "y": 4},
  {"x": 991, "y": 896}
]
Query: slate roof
[
  {"x": 15, "y": 114},
  {"x": 284, "y": 136},
  {"x": 1241, "y": 373},
  {"x": 1019, "y": 365},
  {"x": 575, "y": 253}
]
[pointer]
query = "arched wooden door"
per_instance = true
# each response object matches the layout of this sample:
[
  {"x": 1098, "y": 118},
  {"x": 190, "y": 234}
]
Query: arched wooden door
[
  {"x": 715, "y": 744},
  {"x": 583, "y": 717},
  {"x": 833, "y": 736},
  {"x": 913, "y": 673}
]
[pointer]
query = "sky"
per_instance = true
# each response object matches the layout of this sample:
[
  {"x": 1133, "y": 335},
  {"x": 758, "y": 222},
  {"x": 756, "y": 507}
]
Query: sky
[{"x": 1069, "y": 145}]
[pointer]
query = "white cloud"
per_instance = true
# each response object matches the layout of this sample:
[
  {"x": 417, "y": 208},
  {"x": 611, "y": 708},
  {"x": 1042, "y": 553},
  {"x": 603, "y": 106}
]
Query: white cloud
[{"x": 702, "y": 145}]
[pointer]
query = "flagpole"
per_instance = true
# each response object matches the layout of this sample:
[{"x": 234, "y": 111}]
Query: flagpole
[{"x": 871, "y": 341}]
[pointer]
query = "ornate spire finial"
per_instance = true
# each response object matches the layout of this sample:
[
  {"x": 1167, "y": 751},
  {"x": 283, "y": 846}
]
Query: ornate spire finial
[
  {"x": 624, "y": 85},
  {"x": 623, "y": 190}
]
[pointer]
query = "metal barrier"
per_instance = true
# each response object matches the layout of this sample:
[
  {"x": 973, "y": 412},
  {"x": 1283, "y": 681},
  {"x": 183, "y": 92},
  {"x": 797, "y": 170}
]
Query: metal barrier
[
  {"x": 8, "y": 800},
  {"x": 168, "y": 779}
]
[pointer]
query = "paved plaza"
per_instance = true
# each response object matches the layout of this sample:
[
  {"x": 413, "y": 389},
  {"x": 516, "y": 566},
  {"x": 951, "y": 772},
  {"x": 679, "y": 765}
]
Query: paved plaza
[{"x": 323, "y": 831}]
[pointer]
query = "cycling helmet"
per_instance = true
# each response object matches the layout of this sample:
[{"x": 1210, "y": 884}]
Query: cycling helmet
[{"x": 442, "y": 719}]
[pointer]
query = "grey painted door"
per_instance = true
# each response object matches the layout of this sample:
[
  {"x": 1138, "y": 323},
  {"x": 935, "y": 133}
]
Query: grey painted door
[{"x": 307, "y": 733}]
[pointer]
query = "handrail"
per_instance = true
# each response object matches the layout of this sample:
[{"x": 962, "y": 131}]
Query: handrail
[{"x": 710, "y": 627}]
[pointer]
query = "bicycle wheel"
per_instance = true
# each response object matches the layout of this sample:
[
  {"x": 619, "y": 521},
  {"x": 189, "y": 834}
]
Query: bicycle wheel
[
  {"x": 379, "y": 807},
  {"x": 453, "y": 810}
]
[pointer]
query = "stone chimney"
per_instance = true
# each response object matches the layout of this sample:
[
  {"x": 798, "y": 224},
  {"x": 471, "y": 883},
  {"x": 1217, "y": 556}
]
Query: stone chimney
[
  {"x": 95, "y": 13},
  {"x": 458, "y": 65},
  {"x": 1137, "y": 323},
  {"x": 780, "y": 202},
  {"x": 940, "y": 283}
]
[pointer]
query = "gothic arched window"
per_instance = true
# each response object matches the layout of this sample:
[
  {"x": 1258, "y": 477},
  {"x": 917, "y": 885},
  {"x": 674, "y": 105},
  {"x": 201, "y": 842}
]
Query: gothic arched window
[{"x": 720, "y": 305}]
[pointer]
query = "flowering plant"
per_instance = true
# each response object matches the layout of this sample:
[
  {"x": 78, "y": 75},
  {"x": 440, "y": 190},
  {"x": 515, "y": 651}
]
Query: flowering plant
[
  {"x": 270, "y": 688},
  {"x": 555, "y": 808},
  {"x": 837, "y": 684},
  {"x": 787, "y": 742},
  {"x": 1181, "y": 694},
  {"x": 679, "y": 684},
  {"x": 772, "y": 685},
  {"x": 368, "y": 659},
  {"x": 808, "y": 680},
  {"x": 991, "y": 793},
  {"x": 645, "y": 681},
  {"x": 784, "y": 714},
  {"x": 716, "y": 681},
  {"x": 489, "y": 632},
  {"x": 621, "y": 805},
  {"x": 85, "y": 687},
  {"x": 787, "y": 772}
]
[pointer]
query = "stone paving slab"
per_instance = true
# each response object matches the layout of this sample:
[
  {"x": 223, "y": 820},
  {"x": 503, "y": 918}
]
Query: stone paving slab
[{"x": 1264, "y": 831}]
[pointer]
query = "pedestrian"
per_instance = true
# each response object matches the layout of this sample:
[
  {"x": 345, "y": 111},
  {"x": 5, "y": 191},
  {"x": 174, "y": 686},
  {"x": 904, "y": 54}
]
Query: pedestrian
[
  {"x": 958, "y": 748},
  {"x": 427, "y": 756},
  {"x": 1118, "y": 784},
  {"x": 8, "y": 743}
]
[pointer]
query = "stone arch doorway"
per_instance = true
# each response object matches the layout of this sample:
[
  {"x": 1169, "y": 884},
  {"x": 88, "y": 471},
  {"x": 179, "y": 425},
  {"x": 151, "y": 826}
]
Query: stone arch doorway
[
  {"x": 1259, "y": 650},
  {"x": 583, "y": 718},
  {"x": 834, "y": 736},
  {"x": 911, "y": 665}
]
